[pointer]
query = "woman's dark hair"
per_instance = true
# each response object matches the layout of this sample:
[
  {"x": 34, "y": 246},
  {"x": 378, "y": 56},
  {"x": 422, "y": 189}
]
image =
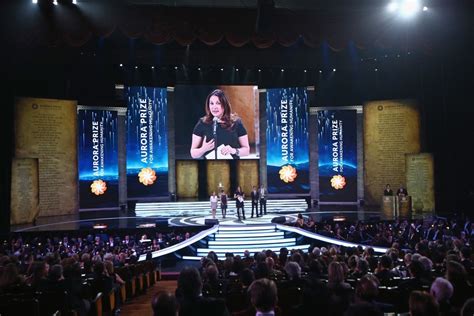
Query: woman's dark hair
[{"x": 228, "y": 118}]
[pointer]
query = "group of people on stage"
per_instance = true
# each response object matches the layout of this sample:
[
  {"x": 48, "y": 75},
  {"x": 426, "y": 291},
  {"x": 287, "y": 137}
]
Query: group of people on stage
[
  {"x": 401, "y": 192},
  {"x": 258, "y": 199}
]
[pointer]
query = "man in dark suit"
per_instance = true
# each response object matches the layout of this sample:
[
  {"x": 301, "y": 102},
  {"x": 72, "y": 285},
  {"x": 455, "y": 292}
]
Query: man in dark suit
[
  {"x": 388, "y": 191},
  {"x": 255, "y": 197}
]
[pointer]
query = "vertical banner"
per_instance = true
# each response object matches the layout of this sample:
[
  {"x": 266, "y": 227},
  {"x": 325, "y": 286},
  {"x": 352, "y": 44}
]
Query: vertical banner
[
  {"x": 147, "y": 142},
  {"x": 337, "y": 143},
  {"x": 287, "y": 140},
  {"x": 98, "y": 159},
  {"x": 420, "y": 182}
]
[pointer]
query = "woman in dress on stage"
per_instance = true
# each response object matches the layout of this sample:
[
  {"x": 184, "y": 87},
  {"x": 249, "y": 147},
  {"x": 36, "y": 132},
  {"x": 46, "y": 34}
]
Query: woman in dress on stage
[
  {"x": 214, "y": 199},
  {"x": 225, "y": 125},
  {"x": 239, "y": 202}
]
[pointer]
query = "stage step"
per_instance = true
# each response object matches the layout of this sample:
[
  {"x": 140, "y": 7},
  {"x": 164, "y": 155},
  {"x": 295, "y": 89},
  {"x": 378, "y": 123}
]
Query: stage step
[
  {"x": 254, "y": 238},
  {"x": 202, "y": 208}
]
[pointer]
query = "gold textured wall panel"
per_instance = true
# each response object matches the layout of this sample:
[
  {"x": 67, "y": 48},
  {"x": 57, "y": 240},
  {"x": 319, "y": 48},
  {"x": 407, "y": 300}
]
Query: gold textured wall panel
[
  {"x": 391, "y": 130},
  {"x": 217, "y": 172},
  {"x": 247, "y": 175},
  {"x": 420, "y": 182},
  {"x": 24, "y": 204},
  {"x": 187, "y": 184},
  {"x": 46, "y": 129}
]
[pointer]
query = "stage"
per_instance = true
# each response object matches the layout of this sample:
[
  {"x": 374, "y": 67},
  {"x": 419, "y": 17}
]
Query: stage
[{"x": 193, "y": 214}]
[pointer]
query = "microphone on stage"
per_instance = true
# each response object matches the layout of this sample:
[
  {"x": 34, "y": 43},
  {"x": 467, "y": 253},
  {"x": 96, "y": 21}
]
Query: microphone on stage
[{"x": 215, "y": 119}]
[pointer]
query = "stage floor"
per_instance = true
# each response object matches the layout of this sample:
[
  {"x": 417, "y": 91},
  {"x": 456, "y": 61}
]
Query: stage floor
[{"x": 114, "y": 219}]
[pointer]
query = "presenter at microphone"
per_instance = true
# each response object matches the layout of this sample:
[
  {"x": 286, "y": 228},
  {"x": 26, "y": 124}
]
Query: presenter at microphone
[{"x": 220, "y": 133}]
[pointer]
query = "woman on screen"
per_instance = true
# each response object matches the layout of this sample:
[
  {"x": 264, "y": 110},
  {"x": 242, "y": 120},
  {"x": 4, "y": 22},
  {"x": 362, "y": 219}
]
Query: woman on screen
[{"x": 221, "y": 129}]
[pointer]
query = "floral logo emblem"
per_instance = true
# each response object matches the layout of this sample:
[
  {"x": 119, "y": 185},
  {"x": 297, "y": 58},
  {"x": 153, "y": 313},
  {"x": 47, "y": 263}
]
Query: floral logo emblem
[
  {"x": 288, "y": 173},
  {"x": 98, "y": 187},
  {"x": 338, "y": 182},
  {"x": 147, "y": 176}
]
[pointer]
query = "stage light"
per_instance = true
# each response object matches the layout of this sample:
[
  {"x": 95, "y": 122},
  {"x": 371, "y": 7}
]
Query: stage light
[
  {"x": 136, "y": 67},
  {"x": 282, "y": 70},
  {"x": 392, "y": 6},
  {"x": 236, "y": 69},
  {"x": 74, "y": 1},
  {"x": 305, "y": 70},
  {"x": 334, "y": 69},
  {"x": 152, "y": 67},
  {"x": 260, "y": 70},
  {"x": 409, "y": 7},
  {"x": 376, "y": 69},
  {"x": 55, "y": 2},
  {"x": 175, "y": 67},
  {"x": 34, "y": 1},
  {"x": 121, "y": 65},
  {"x": 199, "y": 68},
  {"x": 222, "y": 69},
  {"x": 320, "y": 71},
  {"x": 425, "y": 8}
]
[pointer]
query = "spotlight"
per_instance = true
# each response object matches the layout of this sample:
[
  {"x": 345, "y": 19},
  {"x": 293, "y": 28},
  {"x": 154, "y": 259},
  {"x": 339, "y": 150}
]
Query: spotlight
[
  {"x": 260, "y": 70},
  {"x": 305, "y": 70},
  {"x": 222, "y": 69},
  {"x": 152, "y": 67},
  {"x": 74, "y": 1},
  {"x": 175, "y": 67},
  {"x": 334, "y": 69},
  {"x": 392, "y": 6},
  {"x": 55, "y": 2},
  {"x": 199, "y": 68},
  {"x": 409, "y": 7},
  {"x": 425, "y": 8},
  {"x": 320, "y": 71},
  {"x": 121, "y": 65},
  {"x": 376, "y": 69},
  {"x": 282, "y": 70},
  {"x": 34, "y": 1},
  {"x": 136, "y": 67},
  {"x": 236, "y": 69}
]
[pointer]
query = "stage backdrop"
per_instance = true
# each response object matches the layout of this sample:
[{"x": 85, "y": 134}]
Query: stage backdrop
[
  {"x": 46, "y": 129},
  {"x": 147, "y": 142},
  {"x": 391, "y": 130},
  {"x": 287, "y": 140},
  {"x": 337, "y": 143},
  {"x": 98, "y": 159}
]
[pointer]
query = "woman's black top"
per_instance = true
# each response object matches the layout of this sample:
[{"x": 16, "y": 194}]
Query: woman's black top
[{"x": 225, "y": 136}]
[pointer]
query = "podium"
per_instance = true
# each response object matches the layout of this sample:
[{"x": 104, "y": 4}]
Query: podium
[
  {"x": 388, "y": 206},
  {"x": 394, "y": 206},
  {"x": 404, "y": 206}
]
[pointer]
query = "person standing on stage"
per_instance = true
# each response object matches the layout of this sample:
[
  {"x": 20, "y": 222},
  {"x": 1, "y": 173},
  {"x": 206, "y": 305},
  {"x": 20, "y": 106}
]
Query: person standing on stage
[
  {"x": 262, "y": 193},
  {"x": 254, "y": 196},
  {"x": 223, "y": 203},
  {"x": 214, "y": 200},
  {"x": 388, "y": 191},
  {"x": 239, "y": 202},
  {"x": 402, "y": 192}
]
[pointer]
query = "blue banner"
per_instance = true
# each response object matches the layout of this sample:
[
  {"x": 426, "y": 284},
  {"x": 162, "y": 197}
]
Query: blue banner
[
  {"x": 98, "y": 159},
  {"x": 337, "y": 141},
  {"x": 287, "y": 140},
  {"x": 147, "y": 142}
]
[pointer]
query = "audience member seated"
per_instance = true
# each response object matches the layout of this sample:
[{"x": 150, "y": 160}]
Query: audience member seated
[
  {"x": 422, "y": 304},
  {"x": 164, "y": 304},
  {"x": 190, "y": 299},
  {"x": 442, "y": 290}
]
